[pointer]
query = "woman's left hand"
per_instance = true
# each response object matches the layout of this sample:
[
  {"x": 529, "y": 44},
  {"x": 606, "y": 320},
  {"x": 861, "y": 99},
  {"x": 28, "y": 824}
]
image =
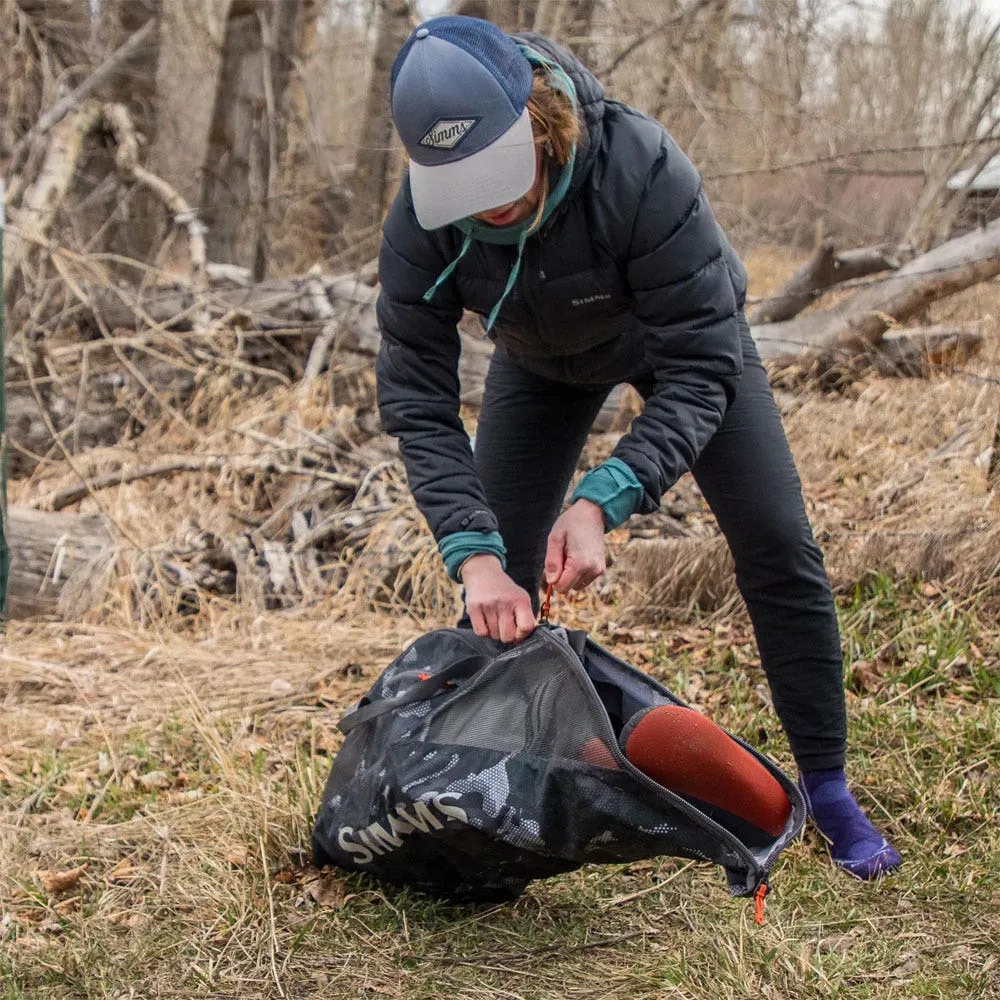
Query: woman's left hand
[{"x": 575, "y": 555}]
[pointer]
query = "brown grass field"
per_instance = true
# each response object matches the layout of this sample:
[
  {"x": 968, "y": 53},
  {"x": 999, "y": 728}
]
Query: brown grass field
[{"x": 157, "y": 783}]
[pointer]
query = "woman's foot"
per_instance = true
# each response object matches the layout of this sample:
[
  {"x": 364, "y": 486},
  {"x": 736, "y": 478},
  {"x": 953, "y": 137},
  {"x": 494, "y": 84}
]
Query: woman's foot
[{"x": 855, "y": 845}]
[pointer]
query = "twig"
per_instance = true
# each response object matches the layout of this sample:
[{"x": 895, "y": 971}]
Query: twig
[
  {"x": 118, "y": 120},
  {"x": 321, "y": 345},
  {"x": 272, "y": 927},
  {"x": 73, "y": 494},
  {"x": 41, "y": 403},
  {"x": 649, "y": 889},
  {"x": 657, "y": 29},
  {"x": 816, "y": 161}
]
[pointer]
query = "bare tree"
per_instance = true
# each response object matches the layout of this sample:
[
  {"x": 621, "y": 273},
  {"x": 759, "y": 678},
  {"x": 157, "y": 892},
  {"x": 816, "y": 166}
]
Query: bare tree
[
  {"x": 969, "y": 122},
  {"x": 247, "y": 135},
  {"x": 577, "y": 28},
  {"x": 372, "y": 171},
  {"x": 187, "y": 77}
]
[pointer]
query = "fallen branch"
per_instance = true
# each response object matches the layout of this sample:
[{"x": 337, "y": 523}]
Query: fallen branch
[
  {"x": 29, "y": 223},
  {"x": 74, "y": 494},
  {"x": 824, "y": 270},
  {"x": 320, "y": 350},
  {"x": 859, "y": 322},
  {"x": 914, "y": 352}
]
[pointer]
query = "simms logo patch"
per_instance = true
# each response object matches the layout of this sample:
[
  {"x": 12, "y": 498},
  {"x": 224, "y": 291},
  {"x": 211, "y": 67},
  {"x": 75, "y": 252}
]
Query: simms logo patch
[
  {"x": 448, "y": 132},
  {"x": 430, "y": 814},
  {"x": 589, "y": 300}
]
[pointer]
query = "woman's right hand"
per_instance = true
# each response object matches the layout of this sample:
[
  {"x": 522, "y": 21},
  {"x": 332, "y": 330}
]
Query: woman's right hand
[{"x": 497, "y": 606}]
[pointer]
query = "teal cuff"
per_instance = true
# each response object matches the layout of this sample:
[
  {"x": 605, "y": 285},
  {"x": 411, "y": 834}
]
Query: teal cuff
[
  {"x": 614, "y": 488},
  {"x": 457, "y": 547}
]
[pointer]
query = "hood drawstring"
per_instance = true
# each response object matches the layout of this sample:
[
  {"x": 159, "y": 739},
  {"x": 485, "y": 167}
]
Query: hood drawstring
[
  {"x": 514, "y": 234},
  {"x": 511, "y": 278},
  {"x": 450, "y": 269}
]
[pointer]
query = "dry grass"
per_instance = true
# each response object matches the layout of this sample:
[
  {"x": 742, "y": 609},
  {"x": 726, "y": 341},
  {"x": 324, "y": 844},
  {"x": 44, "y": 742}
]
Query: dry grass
[
  {"x": 157, "y": 782},
  {"x": 171, "y": 778},
  {"x": 894, "y": 473}
]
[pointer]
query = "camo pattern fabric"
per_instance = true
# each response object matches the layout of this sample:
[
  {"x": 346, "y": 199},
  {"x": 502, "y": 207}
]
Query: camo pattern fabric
[{"x": 515, "y": 774}]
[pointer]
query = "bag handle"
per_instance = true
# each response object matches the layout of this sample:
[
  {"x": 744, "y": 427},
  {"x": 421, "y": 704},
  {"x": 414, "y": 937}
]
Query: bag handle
[{"x": 420, "y": 691}]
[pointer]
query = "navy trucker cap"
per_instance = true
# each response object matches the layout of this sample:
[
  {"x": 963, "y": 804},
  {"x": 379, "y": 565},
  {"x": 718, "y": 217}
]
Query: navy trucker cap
[{"x": 460, "y": 87}]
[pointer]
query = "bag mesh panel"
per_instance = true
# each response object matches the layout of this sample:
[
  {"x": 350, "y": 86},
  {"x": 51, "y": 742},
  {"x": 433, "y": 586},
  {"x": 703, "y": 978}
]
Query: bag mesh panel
[
  {"x": 512, "y": 708},
  {"x": 506, "y": 752}
]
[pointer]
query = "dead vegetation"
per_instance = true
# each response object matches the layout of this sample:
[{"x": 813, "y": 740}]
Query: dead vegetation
[{"x": 215, "y": 551}]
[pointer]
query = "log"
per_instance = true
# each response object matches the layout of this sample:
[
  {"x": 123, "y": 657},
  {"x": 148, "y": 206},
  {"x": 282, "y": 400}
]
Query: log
[
  {"x": 860, "y": 321},
  {"x": 824, "y": 270},
  {"x": 49, "y": 551},
  {"x": 915, "y": 352}
]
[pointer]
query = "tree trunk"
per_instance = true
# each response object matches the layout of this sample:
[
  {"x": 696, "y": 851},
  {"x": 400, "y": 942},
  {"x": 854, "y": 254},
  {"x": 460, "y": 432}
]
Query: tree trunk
[
  {"x": 370, "y": 185},
  {"x": 135, "y": 84},
  {"x": 577, "y": 28},
  {"x": 247, "y": 136},
  {"x": 685, "y": 21},
  {"x": 187, "y": 78},
  {"x": 709, "y": 56}
]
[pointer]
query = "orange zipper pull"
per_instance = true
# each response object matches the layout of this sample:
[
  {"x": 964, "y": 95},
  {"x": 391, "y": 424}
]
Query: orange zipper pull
[
  {"x": 543, "y": 614},
  {"x": 758, "y": 916}
]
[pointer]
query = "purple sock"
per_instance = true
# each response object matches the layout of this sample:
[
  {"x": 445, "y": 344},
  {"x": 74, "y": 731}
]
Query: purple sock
[{"x": 855, "y": 845}]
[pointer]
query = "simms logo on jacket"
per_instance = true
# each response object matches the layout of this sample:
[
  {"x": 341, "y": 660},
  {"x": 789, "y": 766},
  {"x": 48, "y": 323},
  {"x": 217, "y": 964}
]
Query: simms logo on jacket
[
  {"x": 374, "y": 839},
  {"x": 589, "y": 300},
  {"x": 448, "y": 132}
]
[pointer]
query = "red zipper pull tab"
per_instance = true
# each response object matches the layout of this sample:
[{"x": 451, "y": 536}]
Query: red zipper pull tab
[
  {"x": 543, "y": 614},
  {"x": 758, "y": 915}
]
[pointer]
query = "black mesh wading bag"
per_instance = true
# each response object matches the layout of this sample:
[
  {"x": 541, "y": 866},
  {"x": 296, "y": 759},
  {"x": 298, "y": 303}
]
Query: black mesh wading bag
[{"x": 471, "y": 768}]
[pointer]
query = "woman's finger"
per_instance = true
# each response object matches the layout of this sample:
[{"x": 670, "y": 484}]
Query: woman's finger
[
  {"x": 555, "y": 555},
  {"x": 492, "y": 621},
  {"x": 524, "y": 620},
  {"x": 506, "y": 623},
  {"x": 478, "y": 620},
  {"x": 568, "y": 578}
]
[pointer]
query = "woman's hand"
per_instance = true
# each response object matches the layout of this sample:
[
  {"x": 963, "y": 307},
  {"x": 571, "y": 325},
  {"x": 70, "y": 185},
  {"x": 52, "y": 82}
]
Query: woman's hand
[
  {"x": 497, "y": 606},
  {"x": 575, "y": 555}
]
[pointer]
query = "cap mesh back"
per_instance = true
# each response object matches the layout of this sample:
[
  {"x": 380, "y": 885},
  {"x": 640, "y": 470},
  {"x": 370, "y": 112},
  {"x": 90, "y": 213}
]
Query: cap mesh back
[{"x": 486, "y": 43}]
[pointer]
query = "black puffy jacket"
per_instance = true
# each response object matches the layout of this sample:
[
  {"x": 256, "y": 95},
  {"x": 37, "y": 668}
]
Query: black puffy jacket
[{"x": 632, "y": 274}]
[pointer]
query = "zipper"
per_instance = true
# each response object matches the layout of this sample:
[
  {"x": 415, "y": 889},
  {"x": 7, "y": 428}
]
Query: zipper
[
  {"x": 672, "y": 798},
  {"x": 781, "y": 842}
]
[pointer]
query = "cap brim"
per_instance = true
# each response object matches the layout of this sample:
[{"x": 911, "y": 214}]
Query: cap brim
[{"x": 502, "y": 172}]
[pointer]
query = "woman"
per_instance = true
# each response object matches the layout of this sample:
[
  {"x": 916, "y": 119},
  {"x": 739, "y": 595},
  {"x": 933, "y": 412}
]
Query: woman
[{"x": 579, "y": 232}]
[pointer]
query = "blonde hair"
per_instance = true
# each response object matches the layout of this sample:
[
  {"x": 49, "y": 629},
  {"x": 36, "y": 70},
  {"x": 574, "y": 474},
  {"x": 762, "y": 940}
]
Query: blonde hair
[{"x": 555, "y": 127}]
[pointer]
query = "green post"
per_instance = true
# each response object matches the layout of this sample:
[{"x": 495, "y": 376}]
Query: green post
[{"x": 4, "y": 548}]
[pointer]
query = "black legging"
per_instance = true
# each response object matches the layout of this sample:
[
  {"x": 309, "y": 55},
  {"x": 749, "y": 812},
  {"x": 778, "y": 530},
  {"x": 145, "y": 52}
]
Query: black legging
[{"x": 530, "y": 435}]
